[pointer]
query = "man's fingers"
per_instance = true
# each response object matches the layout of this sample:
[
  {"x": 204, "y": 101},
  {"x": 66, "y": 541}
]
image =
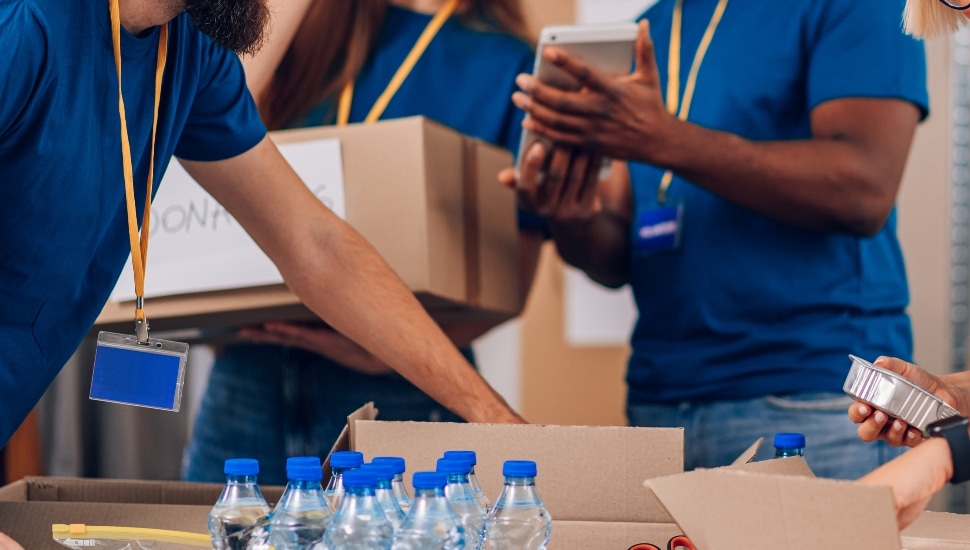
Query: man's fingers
[
  {"x": 646, "y": 67},
  {"x": 550, "y": 117},
  {"x": 566, "y": 138},
  {"x": 556, "y": 174},
  {"x": 587, "y": 76},
  {"x": 871, "y": 428},
  {"x": 574, "y": 180},
  {"x": 507, "y": 178}
]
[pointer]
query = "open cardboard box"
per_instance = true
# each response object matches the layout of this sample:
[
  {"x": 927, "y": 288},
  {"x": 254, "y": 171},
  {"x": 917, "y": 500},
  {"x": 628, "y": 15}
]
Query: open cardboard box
[
  {"x": 426, "y": 197},
  {"x": 590, "y": 478}
]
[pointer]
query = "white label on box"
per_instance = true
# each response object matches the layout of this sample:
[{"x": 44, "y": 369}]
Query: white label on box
[{"x": 197, "y": 246}]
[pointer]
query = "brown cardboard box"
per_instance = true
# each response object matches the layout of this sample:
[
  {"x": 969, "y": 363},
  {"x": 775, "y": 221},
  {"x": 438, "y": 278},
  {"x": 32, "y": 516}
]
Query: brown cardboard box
[
  {"x": 426, "y": 197},
  {"x": 591, "y": 480},
  {"x": 30, "y": 506}
]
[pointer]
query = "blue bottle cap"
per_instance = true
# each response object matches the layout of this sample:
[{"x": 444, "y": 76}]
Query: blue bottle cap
[
  {"x": 357, "y": 479},
  {"x": 451, "y": 466},
  {"x": 430, "y": 480},
  {"x": 470, "y": 456},
  {"x": 241, "y": 467},
  {"x": 383, "y": 472},
  {"x": 519, "y": 468},
  {"x": 789, "y": 441},
  {"x": 346, "y": 459},
  {"x": 395, "y": 461},
  {"x": 304, "y": 468}
]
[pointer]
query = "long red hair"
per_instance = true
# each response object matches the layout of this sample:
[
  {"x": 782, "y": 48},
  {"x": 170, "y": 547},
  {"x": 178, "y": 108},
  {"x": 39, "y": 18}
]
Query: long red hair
[{"x": 334, "y": 41}]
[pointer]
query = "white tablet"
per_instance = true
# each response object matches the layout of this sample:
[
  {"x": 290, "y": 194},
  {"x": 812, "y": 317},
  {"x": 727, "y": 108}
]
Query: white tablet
[{"x": 608, "y": 48}]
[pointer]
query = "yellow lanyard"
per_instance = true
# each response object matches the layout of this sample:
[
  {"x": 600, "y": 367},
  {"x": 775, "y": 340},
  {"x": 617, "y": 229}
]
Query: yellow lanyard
[
  {"x": 139, "y": 246},
  {"x": 347, "y": 96},
  {"x": 673, "y": 74}
]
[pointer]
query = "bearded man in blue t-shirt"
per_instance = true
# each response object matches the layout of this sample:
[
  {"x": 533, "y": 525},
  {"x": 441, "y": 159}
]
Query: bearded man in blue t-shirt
[
  {"x": 754, "y": 219},
  {"x": 63, "y": 221}
]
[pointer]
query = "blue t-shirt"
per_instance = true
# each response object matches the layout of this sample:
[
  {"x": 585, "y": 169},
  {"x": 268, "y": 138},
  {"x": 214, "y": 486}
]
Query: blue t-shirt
[
  {"x": 62, "y": 207},
  {"x": 748, "y": 305}
]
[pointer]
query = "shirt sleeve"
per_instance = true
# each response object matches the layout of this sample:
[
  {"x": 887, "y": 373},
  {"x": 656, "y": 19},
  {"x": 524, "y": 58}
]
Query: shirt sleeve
[
  {"x": 23, "y": 41},
  {"x": 859, "y": 49},
  {"x": 223, "y": 121}
]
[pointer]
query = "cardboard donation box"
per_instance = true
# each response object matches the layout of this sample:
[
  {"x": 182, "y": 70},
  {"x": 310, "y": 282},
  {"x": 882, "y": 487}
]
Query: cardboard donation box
[
  {"x": 423, "y": 195},
  {"x": 606, "y": 488},
  {"x": 29, "y": 507}
]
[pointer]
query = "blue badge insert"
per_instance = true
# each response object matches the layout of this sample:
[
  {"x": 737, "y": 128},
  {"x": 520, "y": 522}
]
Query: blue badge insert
[
  {"x": 658, "y": 229},
  {"x": 145, "y": 375}
]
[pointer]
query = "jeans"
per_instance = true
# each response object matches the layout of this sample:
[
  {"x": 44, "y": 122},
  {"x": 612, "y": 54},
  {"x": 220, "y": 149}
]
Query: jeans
[
  {"x": 271, "y": 402},
  {"x": 717, "y": 432}
]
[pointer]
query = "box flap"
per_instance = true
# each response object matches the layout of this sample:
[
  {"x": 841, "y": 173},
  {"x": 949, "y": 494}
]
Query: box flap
[
  {"x": 748, "y": 455},
  {"x": 790, "y": 466},
  {"x": 727, "y": 510},
  {"x": 938, "y": 531},
  {"x": 345, "y": 441},
  {"x": 585, "y": 473}
]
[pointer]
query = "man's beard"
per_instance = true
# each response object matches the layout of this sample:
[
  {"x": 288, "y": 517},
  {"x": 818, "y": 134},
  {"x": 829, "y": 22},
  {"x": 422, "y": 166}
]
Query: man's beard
[{"x": 237, "y": 25}]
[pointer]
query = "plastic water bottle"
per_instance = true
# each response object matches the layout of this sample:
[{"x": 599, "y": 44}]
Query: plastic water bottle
[
  {"x": 518, "y": 521},
  {"x": 462, "y": 499},
  {"x": 360, "y": 523},
  {"x": 340, "y": 462},
  {"x": 302, "y": 514},
  {"x": 239, "y": 518},
  {"x": 400, "y": 491},
  {"x": 789, "y": 444},
  {"x": 472, "y": 459},
  {"x": 385, "y": 494},
  {"x": 431, "y": 524}
]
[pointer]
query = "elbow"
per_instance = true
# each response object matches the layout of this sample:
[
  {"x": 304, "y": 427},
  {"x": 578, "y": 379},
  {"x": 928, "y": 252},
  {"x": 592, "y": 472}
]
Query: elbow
[{"x": 867, "y": 209}]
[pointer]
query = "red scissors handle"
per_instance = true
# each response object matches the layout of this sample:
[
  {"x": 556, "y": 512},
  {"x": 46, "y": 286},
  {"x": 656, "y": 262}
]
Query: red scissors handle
[{"x": 680, "y": 542}]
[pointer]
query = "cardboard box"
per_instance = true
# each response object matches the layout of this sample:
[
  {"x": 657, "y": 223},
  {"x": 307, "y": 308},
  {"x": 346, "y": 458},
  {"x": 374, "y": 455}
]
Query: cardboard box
[
  {"x": 30, "y": 506},
  {"x": 426, "y": 197},
  {"x": 590, "y": 478}
]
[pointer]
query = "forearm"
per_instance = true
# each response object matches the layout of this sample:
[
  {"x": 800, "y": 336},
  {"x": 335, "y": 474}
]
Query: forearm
[
  {"x": 362, "y": 298},
  {"x": 821, "y": 184},
  {"x": 599, "y": 246}
]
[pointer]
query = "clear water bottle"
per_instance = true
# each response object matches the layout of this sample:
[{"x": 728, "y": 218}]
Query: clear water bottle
[
  {"x": 340, "y": 462},
  {"x": 385, "y": 494},
  {"x": 518, "y": 521},
  {"x": 472, "y": 459},
  {"x": 431, "y": 524},
  {"x": 239, "y": 519},
  {"x": 302, "y": 514},
  {"x": 360, "y": 523},
  {"x": 789, "y": 444},
  {"x": 400, "y": 491},
  {"x": 462, "y": 499}
]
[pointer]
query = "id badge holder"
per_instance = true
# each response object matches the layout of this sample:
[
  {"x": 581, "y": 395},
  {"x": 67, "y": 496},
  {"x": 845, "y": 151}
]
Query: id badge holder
[
  {"x": 145, "y": 375},
  {"x": 658, "y": 229}
]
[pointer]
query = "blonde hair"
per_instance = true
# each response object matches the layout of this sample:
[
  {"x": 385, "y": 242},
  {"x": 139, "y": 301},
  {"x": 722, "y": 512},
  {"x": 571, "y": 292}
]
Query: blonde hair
[{"x": 929, "y": 18}]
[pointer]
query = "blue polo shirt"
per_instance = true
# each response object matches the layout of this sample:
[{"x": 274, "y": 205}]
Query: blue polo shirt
[
  {"x": 748, "y": 305},
  {"x": 63, "y": 226}
]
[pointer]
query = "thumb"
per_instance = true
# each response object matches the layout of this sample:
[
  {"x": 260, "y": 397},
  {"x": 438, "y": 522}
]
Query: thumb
[
  {"x": 909, "y": 371},
  {"x": 646, "y": 56}
]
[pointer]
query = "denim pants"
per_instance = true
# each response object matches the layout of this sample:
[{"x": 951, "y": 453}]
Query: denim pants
[
  {"x": 716, "y": 433},
  {"x": 271, "y": 402}
]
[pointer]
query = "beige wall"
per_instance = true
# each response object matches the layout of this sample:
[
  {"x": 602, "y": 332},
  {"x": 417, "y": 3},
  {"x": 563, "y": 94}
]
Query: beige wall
[{"x": 568, "y": 385}]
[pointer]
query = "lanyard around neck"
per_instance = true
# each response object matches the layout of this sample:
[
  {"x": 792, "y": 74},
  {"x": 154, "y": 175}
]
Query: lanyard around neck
[
  {"x": 139, "y": 246},
  {"x": 347, "y": 96},
  {"x": 676, "y": 106}
]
